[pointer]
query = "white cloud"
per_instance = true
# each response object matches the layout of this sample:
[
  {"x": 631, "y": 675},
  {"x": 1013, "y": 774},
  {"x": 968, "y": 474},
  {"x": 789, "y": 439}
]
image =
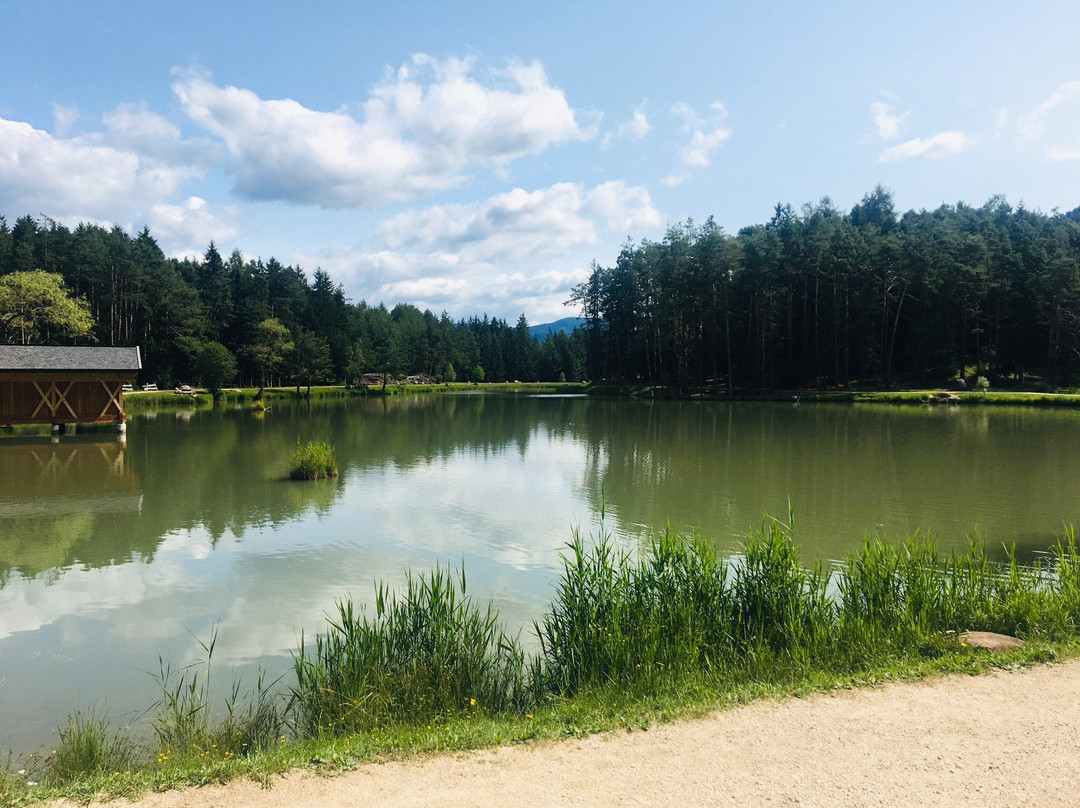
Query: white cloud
[
  {"x": 705, "y": 137},
  {"x": 696, "y": 153},
  {"x": 1061, "y": 153},
  {"x": 887, "y": 123},
  {"x": 188, "y": 227},
  {"x": 115, "y": 174},
  {"x": 1055, "y": 120},
  {"x": 634, "y": 129},
  {"x": 418, "y": 131},
  {"x": 1035, "y": 123},
  {"x": 943, "y": 144},
  {"x": 511, "y": 252},
  {"x": 81, "y": 177},
  {"x": 64, "y": 118},
  {"x": 519, "y": 223},
  {"x": 1001, "y": 122},
  {"x": 690, "y": 118}
]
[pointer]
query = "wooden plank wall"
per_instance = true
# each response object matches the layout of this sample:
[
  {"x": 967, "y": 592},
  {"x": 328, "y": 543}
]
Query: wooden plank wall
[{"x": 62, "y": 398}]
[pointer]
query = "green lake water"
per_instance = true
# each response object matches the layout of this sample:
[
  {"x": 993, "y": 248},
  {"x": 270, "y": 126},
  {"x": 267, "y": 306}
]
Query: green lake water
[{"x": 114, "y": 555}]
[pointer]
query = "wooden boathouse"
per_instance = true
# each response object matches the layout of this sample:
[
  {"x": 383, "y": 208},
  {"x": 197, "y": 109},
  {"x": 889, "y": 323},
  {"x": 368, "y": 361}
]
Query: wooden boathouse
[{"x": 63, "y": 384}]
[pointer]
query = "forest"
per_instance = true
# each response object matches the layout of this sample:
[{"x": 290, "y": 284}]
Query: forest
[
  {"x": 812, "y": 298},
  {"x": 222, "y": 320},
  {"x": 819, "y": 298}
]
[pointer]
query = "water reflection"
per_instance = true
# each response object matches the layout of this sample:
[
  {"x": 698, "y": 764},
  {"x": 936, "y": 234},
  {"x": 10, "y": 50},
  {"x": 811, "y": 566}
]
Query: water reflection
[
  {"x": 56, "y": 497},
  {"x": 848, "y": 471},
  {"x": 112, "y": 554},
  {"x": 716, "y": 468}
]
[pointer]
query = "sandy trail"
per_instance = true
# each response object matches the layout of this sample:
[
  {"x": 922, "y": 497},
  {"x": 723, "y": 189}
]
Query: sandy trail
[{"x": 1002, "y": 739}]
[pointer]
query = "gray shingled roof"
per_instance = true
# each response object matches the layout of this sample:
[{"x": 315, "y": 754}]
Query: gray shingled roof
[{"x": 68, "y": 357}]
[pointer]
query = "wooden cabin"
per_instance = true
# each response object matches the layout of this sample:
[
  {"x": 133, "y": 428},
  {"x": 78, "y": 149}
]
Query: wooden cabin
[{"x": 63, "y": 384}]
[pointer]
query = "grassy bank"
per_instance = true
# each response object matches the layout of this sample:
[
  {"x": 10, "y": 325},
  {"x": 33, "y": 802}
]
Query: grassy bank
[
  {"x": 628, "y": 639},
  {"x": 919, "y": 396},
  {"x": 140, "y": 401}
]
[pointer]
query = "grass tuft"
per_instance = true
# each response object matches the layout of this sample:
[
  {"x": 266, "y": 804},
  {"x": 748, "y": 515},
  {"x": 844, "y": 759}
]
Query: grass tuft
[
  {"x": 186, "y": 725},
  {"x": 314, "y": 460},
  {"x": 88, "y": 746}
]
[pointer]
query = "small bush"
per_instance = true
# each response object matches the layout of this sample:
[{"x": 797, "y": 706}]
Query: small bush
[{"x": 314, "y": 460}]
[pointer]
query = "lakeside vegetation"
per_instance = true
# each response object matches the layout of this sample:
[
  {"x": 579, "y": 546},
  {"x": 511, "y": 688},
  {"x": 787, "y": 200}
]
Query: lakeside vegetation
[
  {"x": 142, "y": 401},
  {"x": 628, "y": 639},
  {"x": 222, "y": 320}
]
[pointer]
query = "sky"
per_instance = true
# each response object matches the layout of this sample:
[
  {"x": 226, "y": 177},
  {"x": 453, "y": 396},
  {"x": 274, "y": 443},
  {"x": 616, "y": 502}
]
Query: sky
[{"x": 476, "y": 157}]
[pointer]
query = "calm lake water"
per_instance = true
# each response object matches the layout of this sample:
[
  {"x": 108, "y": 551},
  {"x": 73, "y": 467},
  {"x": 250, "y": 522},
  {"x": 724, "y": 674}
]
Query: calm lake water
[{"x": 113, "y": 555}]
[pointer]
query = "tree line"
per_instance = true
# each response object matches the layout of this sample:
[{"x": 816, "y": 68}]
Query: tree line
[
  {"x": 824, "y": 298},
  {"x": 225, "y": 320},
  {"x": 812, "y": 298}
]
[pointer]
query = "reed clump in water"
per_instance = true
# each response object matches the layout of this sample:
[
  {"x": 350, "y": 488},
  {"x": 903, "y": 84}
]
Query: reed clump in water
[{"x": 314, "y": 460}]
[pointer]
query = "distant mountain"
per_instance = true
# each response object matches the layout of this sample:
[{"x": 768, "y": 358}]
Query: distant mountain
[{"x": 566, "y": 325}]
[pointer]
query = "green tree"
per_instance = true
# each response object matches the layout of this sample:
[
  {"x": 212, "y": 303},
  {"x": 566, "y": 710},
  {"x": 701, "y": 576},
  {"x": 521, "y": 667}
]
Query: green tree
[
  {"x": 215, "y": 365},
  {"x": 36, "y": 307},
  {"x": 355, "y": 362},
  {"x": 271, "y": 348},
  {"x": 310, "y": 359}
]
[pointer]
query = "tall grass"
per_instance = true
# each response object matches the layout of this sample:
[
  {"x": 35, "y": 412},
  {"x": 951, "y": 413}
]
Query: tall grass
[
  {"x": 88, "y": 746},
  {"x": 313, "y": 460},
  {"x": 427, "y": 653},
  {"x": 621, "y": 625},
  {"x": 678, "y": 610},
  {"x": 643, "y": 622},
  {"x": 615, "y": 619},
  {"x": 186, "y": 723}
]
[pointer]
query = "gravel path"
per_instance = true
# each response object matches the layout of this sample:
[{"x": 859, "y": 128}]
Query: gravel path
[{"x": 1001, "y": 739}]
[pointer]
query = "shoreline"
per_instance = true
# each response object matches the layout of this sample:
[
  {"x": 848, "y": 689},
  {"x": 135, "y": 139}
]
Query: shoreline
[{"x": 1004, "y": 738}]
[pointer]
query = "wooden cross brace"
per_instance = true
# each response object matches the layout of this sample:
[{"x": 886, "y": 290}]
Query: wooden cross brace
[
  {"x": 53, "y": 398},
  {"x": 114, "y": 398}
]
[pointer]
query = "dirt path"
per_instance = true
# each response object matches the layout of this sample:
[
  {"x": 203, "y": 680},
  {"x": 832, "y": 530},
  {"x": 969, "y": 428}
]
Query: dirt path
[{"x": 1004, "y": 739}]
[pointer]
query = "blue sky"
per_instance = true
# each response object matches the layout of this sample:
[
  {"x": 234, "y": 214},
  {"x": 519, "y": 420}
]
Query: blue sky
[{"x": 477, "y": 157}]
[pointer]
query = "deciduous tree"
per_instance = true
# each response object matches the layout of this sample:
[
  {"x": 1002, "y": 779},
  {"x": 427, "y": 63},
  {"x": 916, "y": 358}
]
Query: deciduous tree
[{"x": 35, "y": 307}]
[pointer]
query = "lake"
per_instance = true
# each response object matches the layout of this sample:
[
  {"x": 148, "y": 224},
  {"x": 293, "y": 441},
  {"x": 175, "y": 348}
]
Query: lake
[{"x": 117, "y": 555}]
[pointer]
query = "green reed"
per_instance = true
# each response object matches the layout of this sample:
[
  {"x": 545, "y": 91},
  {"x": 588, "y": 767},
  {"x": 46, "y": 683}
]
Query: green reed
[
  {"x": 426, "y": 654},
  {"x": 87, "y": 745},
  {"x": 314, "y": 460},
  {"x": 632, "y": 621},
  {"x": 642, "y": 622},
  {"x": 677, "y": 610},
  {"x": 623, "y": 628},
  {"x": 187, "y": 725}
]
